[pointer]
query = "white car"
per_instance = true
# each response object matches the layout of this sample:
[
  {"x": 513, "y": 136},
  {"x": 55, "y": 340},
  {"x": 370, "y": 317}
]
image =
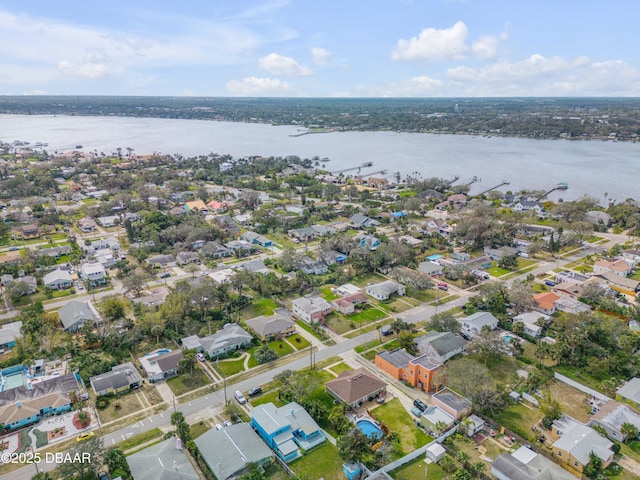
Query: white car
[
  {"x": 240, "y": 397},
  {"x": 200, "y": 356},
  {"x": 218, "y": 426}
]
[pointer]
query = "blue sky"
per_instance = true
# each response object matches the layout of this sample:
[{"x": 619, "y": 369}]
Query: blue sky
[{"x": 305, "y": 48}]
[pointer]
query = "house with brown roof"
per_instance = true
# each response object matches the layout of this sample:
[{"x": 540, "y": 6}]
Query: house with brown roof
[
  {"x": 618, "y": 267},
  {"x": 273, "y": 326},
  {"x": 545, "y": 302},
  {"x": 347, "y": 304},
  {"x": 354, "y": 387}
]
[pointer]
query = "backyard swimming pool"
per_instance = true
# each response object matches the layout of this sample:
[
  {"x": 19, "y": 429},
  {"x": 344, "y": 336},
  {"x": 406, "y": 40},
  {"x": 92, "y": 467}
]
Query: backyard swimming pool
[
  {"x": 13, "y": 380},
  {"x": 369, "y": 428}
]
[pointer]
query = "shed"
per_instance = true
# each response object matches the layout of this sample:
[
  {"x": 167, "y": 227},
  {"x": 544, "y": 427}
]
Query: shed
[
  {"x": 515, "y": 396},
  {"x": 435, "y": 452}
]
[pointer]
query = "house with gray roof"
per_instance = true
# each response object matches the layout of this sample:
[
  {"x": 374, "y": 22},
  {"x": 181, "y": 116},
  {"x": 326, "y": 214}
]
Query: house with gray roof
[
  {"x": 362, "y": 221},
  {"x": 473, "y": 324},
  {"x": 121, "y": 378},
  {"x": 525, "y": 464},
  {"x": 576, "y": 443},
  {"x": 229, "y": 451},
  {"x": 74, "y": 315},
  {"x": 630, "y": 392},
  {"x": 611, "y": 416},
  {"x": 384, "y": 290},
  {"x": 163, "y": 461},
  {"x": 160, "y": 364},
  {"x": 53, "y": 252},
  {"x": 440, "y": 346},
  {"x": 274, "y": 326},
  {"x": 311, "y": 309},
  {"x": 531, "y": 322},
  {"x": 286, "y": 429},
  {"x": 430, "y": 268},
  {"x": 161, "y": 261},
  {"x": 312, "y": 267},
  {"x": 433, "y": 418},
  {"x": 257, "y": 239},
  {"x": 303, "y": 234},
  {"x": 57, "y": 280},
  {"x": 228, "y": 339},
  {"x": 454, "y": 404},
  {"x": 9, "y": 332}
]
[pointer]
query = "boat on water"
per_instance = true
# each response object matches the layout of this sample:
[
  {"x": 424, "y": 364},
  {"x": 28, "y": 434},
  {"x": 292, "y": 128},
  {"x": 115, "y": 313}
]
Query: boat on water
[{"x": 562, "y": 186}]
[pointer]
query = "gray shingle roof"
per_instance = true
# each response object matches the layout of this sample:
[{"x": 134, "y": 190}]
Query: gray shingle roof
[
  {"x": 73, "y": 312},
  {"x": 157, "y": 463}
]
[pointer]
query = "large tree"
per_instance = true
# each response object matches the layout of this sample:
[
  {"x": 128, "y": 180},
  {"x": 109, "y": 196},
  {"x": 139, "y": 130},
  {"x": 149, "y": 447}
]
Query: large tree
[
  {"x": 353, "y": 446},
  {"x": 444, "y": 322}
]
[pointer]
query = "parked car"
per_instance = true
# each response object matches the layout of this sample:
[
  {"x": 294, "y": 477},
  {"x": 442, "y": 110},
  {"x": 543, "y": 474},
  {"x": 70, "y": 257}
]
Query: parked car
[
  {"x": 255, "y": 391},
  {"x": 103, "y": 476},
  {"x": 80, "y": 286},
  {"x": 550, "y": 283},
  {"x": 200, "y": 356},
  {"x": 218, "y": 426},
  {"x": 85, "y": 436},
  {"x": 419, "y": 404},
  {"x": 227, "y": 423},
  {"x": 12, "y": 249},
  {"x": 165, "y": 275},
  {"x": 240, "y": 397},
  {"x": 443, "y": 286}
]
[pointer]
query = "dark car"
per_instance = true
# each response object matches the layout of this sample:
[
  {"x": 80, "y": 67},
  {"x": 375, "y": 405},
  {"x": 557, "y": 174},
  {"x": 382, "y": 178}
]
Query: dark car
[
  {"x": 165, "y": 275},
  {"x": 255, "y": 391},
  {"x": 419, "y": 404}
]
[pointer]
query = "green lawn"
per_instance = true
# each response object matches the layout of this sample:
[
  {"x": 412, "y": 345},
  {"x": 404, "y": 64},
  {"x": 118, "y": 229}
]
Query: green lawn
[
  {"x": 519, "y": 419},
  {"x": 136, "y": 440},
  {"x": 260, "y": 306},
  {"x": 323, "y": 461},
  {"x": 198, "y": 429},
  {"x": 367, "y": 315},
  {"x": 339, "y": 368},
  {"x": 298, "y": 341},
  {"x": 340, "y": 323},
  {"x": 281, "y": 347},
  {"x": 497, "y": 271},
  {"x": 306, "y": 327},
  {"x": 184, "y": 383},
  {"x": 229, "y": 367},
  {"x": 327, "y": 294},
  {"x": 418, "y": 469},
  {"x": 269, "y": 397},
  {"x": 393, "y": 415}
]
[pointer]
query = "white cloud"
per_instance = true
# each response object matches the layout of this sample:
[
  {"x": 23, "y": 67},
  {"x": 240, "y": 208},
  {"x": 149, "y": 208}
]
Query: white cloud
[
  {"x": 320, "y": 56},
  {"x": 254, "y": 86},
  {"x": 542, "y": 76},
  {"x": 286, "y": 66},
  {"x": 84, "y": 70},
  {"x": 433, "y": 45}
]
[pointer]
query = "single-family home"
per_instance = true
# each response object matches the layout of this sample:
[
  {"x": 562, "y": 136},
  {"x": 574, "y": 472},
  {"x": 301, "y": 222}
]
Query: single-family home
[
  {"x": 257, "y": 239},
  {"x": 532, "y": 322},
  {"x": 618, "y": 283},
  {"x": 368, "y": 243},
  {"x": 87, "y": 225},
  {"x": 222, "y": 276},
  {"x": 436, "y": 420},
  {"x": 420, "y": 372},
  {"x": 354, "y": 387},
  {"x": 575, "y": 443},
  {"x": 347, "y": 304},
  {"x": 165, "y": 460},
  {"x": 311, "y": 309},
  {"x": 384, "y": 290},
  {"x": 33, "y": 401},
  {"x": 228, "y": 339},
  {"x": 28, "y": 231},
  {"x": 230, "y": 451},
  {"x": 525, "y": 464},
  {"x": 631, "y": 256},
  {"x": 74, "y": 315},
  {"x": 183, "y": 258},
  {"x": 618, "y": 267},
  {"x": 303, "y": 234},
  {"x": 57, "y": 279},
  {"x": 161, "y": 261},
  {"x": 598, "y": 217},
  {"x": 531, "y": 206},
  {"x": 358, "y": 220},
  {"x": 109, "y": 221},
  {"x": 612, "y": 416},
  {"x": 452, "y": 403},
  {"x": 473, "y": 424},
  {"x": 571, "y": 305},
  {"x": 29, "y": 280},
  {"x": 630, "y": 393},
  {"x": 121, "y": 378},
  {"x": 9, "y": 332},
  {"x": 160, "y": 364},
  {"x": 312, "y": 267},
  {"x": 473, "y": 324},
  {"x": 330, "y": 257},
  {"x": 440, "y": 346},
  {"x": 274, "y": 326},
  {"x": 195, "y": 206},
  {"x": 545, "y": 302},
  {"x": 217, "y": 207},
  {"x": 53, "y": 252},
  {"x": 497, "y": 254},
  {"x": 215, "y": 250},
  {"x": 286, "y": 429},
  {"x": 94, "y": 273},
  {"x": 430, "y": 268}
]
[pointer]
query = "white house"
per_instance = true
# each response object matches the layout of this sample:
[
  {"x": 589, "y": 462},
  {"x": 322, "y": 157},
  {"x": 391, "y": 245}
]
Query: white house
[
  {"x": 57, "y": 280},
  {"x": 383, "y": 290},
  {"x": 473, "y": 324},
  {"x": 530, "y": 321},
  {"x": 93, "y": 272},
  {"x": 311, "y": 309}
]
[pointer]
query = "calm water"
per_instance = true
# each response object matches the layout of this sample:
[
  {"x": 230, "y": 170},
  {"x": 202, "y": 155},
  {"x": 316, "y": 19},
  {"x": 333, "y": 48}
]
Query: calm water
[{"x": 589, "y": 167}]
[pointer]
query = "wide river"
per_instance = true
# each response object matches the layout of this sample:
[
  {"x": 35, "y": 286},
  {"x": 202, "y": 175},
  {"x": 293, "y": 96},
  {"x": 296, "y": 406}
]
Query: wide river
[{"x": 589, "y": 167}]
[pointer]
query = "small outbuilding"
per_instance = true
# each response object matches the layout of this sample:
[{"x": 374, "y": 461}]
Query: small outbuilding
[{"x": 435, "y": 452}]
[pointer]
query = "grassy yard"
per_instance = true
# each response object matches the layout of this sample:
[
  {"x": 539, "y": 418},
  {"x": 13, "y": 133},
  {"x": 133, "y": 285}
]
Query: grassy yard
[
  {"x": 339, "y": 368},
  {"x": 198, "y": 429},
  {"x": 367, "y": 315},
  {"x": 340, "y": 323},
  {"x": 393, "y": 415},
  {"x": 120, "y": 407},
  {"x": 229, "y": 367},
  {"x": 573, "y": 401},
  {"x": 281, "y": 347},
  {"x": 136, "y": 440},
  {"x": 327, "y": 294},
  {"x": 418, "y": 469},
  {"x": 185, "y": 383},
  {"x": 269, "y": 397},
  {"x": 519, "y": 418},
  {"x": 260, "y": 306},
  {"x": 497, "y": 271},
  {"x": 306, "y": 327},
  {"x": 323, "y": 461},
  {"x": 298, "y": 341}
]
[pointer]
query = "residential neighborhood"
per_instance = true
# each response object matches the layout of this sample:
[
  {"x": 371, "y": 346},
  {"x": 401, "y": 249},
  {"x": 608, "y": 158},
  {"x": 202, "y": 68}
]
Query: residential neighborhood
[{"x": 207, "y": 323}]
